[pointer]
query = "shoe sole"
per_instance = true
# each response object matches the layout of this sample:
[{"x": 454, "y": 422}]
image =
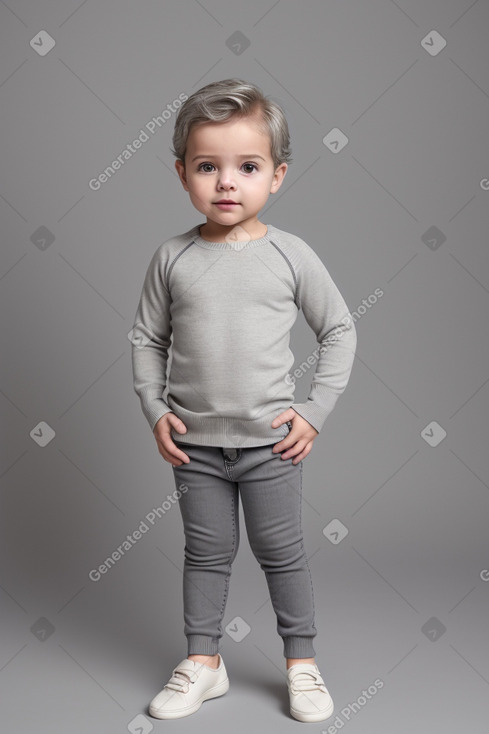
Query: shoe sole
[
  {"x": 214, "y": 692},
  {"x": 307, "y": 718}
]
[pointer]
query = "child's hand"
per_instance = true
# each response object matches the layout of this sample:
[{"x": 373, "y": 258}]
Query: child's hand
[
  {"x": 300, "y": 439},
  {"x": 167, "y": 448}
]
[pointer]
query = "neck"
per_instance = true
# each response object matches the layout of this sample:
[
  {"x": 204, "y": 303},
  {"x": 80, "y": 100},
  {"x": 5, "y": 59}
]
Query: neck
[{"x": 242, "y": 231}]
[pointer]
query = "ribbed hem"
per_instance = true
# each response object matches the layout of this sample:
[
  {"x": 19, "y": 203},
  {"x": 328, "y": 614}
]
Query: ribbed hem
[
  {"x": 202, "y": 645},
  {"x": 218, "y": 430},
  {"x": 298, "y": 647}
]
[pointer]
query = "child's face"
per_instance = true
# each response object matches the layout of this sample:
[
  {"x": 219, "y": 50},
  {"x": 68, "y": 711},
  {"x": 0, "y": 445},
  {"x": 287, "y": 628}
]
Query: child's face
[{"x": 229, "y": 160}]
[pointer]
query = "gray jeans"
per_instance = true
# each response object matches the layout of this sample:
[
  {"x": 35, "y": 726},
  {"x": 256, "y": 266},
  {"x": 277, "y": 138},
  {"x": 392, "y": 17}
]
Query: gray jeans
[{"x": 271, "y": 493}]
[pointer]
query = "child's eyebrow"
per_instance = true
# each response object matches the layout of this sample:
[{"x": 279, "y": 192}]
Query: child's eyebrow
[{"x": 243, "y": 155}]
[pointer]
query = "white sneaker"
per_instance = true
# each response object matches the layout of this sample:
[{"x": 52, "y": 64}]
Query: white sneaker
[
  {"x": 191, "y": 683},
  {"x": 309, "y": 697}
]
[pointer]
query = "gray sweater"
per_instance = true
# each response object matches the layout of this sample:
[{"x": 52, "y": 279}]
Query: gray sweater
[{"x": 226, "y": 309}]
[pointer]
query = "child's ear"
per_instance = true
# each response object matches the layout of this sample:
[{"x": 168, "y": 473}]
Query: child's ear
[
  {"x": 181, "y": 173},
  {"x": 278, "y": 177}
]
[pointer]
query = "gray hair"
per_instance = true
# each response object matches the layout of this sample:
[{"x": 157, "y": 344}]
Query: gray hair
[{"x": 219, "y": 101}]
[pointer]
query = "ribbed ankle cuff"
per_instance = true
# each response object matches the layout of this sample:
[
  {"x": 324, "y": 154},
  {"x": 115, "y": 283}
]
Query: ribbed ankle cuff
[
  {"x": 298, "y": 647},
  {"x": 202, "y": 645}
]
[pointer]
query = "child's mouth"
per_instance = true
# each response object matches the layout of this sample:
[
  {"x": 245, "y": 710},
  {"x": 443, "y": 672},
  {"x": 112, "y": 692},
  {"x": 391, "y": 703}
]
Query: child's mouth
[{"x": 223, "y": 205}]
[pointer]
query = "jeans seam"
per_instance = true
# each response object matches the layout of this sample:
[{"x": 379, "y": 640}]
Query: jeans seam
[
  {"x": 313, "y": 626},
  {"x": 233, "y": 552}
]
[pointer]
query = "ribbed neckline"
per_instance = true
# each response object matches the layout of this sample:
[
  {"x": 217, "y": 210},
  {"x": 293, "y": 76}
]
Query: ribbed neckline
[{"x": 195, "y": 234}]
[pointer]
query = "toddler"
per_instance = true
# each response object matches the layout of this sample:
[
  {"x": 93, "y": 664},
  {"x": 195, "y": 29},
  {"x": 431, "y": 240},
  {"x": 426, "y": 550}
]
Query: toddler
[{"x": 225, "y": 295}]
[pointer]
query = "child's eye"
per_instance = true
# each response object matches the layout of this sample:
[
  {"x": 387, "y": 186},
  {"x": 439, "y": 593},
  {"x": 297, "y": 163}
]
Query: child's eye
[{"x": 201, "y": 167}]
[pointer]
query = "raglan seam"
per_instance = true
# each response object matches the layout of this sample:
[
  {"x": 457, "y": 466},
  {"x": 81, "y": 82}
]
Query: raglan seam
[
  {"x": 173, "y": 262},
  {"x": 294, "y": 276}
]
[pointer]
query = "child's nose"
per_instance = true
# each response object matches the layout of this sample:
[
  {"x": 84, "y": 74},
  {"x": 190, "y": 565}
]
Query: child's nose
[{"x": 226, "y": 178}]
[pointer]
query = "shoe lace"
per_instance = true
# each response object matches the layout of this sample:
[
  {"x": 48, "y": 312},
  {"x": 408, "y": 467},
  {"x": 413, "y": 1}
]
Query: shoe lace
[{"x": 307, "y": 681}]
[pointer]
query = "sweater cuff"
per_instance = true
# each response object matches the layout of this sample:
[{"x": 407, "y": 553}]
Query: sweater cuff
[
  {"x": 153, "y": 405},
  {"x": 314, "y": 413}
]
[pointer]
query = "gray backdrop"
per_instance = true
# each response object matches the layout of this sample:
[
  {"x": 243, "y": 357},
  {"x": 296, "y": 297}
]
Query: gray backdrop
[{"x": 388, "y": 110}]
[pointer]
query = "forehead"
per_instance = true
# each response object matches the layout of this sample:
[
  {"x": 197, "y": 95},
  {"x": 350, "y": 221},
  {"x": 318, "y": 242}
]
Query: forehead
[{"x": 237, "y": 135}]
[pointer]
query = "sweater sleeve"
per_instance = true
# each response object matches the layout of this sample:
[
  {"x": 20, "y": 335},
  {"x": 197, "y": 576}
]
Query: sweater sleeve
[
  {"x": 328, "y": 316},
  {"x": 150, "y": 339}
]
